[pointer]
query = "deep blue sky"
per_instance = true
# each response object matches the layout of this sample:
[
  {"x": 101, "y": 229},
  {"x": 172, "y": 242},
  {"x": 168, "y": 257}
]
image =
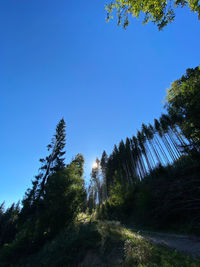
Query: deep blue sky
[{"x": 61, "y": 59}]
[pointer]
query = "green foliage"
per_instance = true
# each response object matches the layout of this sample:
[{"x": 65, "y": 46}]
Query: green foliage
[
  {"x": 148, "y": 178},
  {"x": 101, "y": 243},
  {"x": 153, "y": 177},
  {"x": 166, "y": 198},
  {"x": 51, "y": 205},
  {"x": 63, "y": 200},
  {"x": 159, "y": 12},
  {"x": 116, "y": 193},
  {"x": 8, "y": 223},
  {"x": 53, "y": 163},
  {"x": 143, "y": 203},
  {"x": 183, "y": 102},
  {"x": 105, "y": 243},
  {"x": 139, "y": 252},
  {"x": 67, "y": 248}
]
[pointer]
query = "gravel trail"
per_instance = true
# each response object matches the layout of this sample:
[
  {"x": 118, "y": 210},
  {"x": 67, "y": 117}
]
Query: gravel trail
[{"x": 183, "y": 243}]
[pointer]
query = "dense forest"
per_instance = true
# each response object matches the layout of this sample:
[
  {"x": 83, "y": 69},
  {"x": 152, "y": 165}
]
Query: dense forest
[
  {"x": 154, "y": 176},
  {"x": 149, "y": 180}
]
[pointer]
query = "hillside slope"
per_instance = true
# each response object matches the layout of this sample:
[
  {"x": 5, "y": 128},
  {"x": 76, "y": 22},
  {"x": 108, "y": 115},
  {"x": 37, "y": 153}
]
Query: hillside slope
[{"x": 104, "y": 243}]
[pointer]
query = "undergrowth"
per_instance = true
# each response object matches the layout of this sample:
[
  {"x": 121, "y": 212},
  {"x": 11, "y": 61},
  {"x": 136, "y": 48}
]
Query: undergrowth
[{"x": 104, "y": 243}]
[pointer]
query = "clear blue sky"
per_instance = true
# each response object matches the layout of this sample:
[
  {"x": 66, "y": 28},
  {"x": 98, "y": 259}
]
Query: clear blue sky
[{"x": 61, "y": 59}]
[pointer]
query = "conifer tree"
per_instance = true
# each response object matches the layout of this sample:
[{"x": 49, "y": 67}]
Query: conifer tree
[
  {"x": 50, "y": 165},
  {"x": 103, "y": 164},
  {"x": 95, "y": 180}
]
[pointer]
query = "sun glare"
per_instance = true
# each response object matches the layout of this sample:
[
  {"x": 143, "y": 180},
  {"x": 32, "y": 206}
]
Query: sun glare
[{"x": 94, "y": 165}]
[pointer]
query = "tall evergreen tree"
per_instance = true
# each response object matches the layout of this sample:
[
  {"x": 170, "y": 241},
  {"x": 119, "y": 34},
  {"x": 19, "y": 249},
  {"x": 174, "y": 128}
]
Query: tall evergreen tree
[
  {"x": 50, "y": 165},
  {"x": 103, "y": 163},
  {"x": 95, "y": 180}
]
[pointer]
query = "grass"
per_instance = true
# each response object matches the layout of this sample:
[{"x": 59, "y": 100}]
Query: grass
[
  {"x": 104, "y": 243},
  {"x": 137, "y": 251}
]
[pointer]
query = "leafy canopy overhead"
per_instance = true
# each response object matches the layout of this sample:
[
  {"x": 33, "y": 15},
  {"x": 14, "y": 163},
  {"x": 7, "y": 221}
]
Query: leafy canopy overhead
[
  {"x": 183, "y": 101},
  {"x": 160, "y": 12}
]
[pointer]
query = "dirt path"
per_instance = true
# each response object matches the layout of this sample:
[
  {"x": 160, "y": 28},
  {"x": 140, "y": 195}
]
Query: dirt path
[{"x": 188, "y": 244}]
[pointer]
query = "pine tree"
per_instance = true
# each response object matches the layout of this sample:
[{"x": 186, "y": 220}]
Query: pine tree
[
  {"x": 95, "y": 180},
  {"x": 53, "y": 163},
  {"x": 103, "y": 164}
]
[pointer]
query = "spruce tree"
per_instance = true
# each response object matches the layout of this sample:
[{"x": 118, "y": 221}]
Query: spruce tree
[
  {"x": 53, "y": 163},
  {"x": 103, "y": 164}
]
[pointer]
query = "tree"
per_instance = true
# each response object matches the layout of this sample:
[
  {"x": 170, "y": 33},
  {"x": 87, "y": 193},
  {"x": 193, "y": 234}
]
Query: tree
[
  {"x": 160, "y": 12},
  {"x": 91, "y": 199},
  {"x": 8, "y": 223},
  {"x": 103, "y": 163},
  {"x": 183, "y": 103},
  {"x": 53, "y": 202},
  {"x": 96, "y": 182},
  {"x": 149, "y": 136},
  {"x": 53, "y": 163},
  {"x": 64, "y": 198},
  {"x": 165, "y": 125}
]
